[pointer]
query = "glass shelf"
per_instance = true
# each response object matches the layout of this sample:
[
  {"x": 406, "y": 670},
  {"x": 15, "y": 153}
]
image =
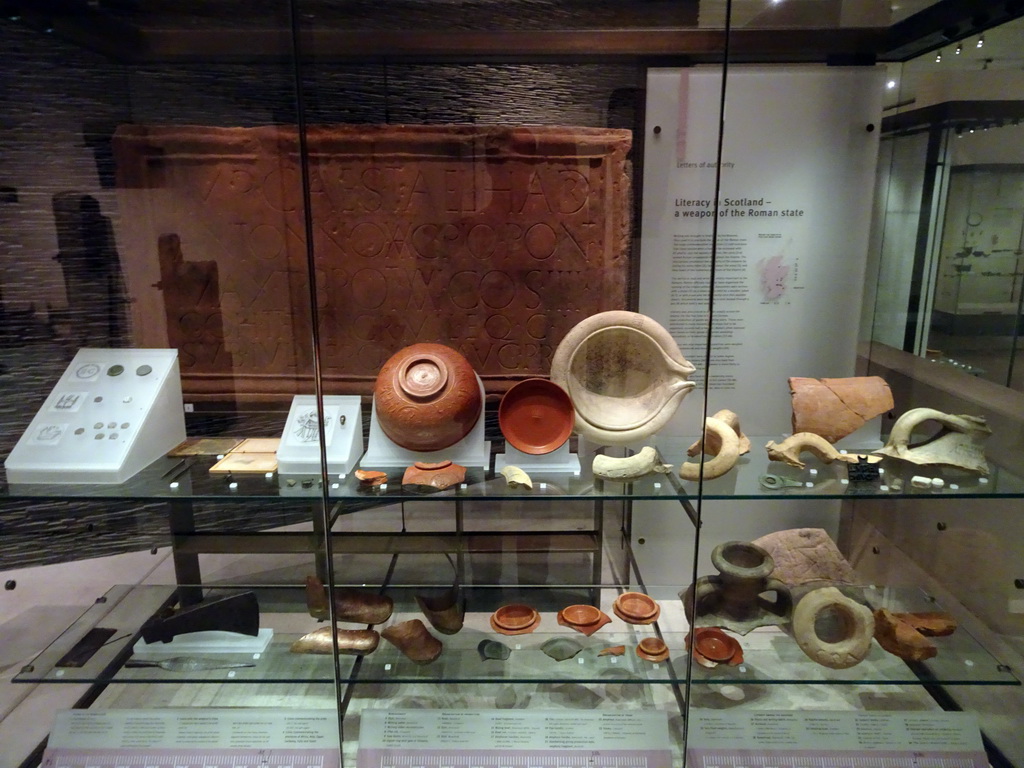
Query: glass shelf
[
  {"x": 189, "y": 479},
  {"x": 771, "y": 656}
]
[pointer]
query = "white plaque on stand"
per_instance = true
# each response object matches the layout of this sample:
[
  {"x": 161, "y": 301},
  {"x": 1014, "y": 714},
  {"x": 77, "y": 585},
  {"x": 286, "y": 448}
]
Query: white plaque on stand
[
  {"x": 112, "y": 413},
  {"x": 471, "y": 451},
  {"x": 561, "y": 461},
  {"x": 299, "y": 450},
  {"x": 207, "y": 641}
]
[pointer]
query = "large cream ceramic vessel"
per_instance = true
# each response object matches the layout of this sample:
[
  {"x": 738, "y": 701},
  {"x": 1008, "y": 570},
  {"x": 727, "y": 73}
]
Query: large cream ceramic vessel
[{"x": 625, "y": 375}]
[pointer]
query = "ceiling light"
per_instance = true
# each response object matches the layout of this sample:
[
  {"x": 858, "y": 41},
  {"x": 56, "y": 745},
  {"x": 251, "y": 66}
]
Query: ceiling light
[
  {"x": 981, "y": 41},
  {"x": 959, "y": 49},
  {"x": 938, "y": 57},
  {"x": 891, "y": 84}
]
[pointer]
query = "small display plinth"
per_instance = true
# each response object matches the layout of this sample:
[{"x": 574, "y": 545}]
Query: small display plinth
[
  {"x": 299, "y": 450},
  {"x": 112, "y": 413}
]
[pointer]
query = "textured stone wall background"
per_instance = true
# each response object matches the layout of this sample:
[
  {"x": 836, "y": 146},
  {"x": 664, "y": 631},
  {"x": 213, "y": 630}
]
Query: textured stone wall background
[{"x": 58, "y": 106}]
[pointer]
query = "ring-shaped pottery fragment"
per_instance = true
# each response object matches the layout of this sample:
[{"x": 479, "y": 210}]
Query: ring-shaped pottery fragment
[
  {"x": 427, "y": 397},
  {"x": 536, "y": 416},
  {"x": 625, "y": 375}
]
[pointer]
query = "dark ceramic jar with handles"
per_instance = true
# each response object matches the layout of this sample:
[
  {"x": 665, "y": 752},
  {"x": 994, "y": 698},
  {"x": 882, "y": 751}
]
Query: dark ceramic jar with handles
[{"x": 427, "y": 397}]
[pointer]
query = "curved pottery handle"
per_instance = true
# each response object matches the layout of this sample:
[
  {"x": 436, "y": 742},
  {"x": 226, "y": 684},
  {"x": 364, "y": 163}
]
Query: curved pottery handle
[{"x": 782, "y": 605}]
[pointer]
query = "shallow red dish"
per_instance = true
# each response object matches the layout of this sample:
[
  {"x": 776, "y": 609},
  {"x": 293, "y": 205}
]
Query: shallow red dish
[
  {"x": 536, "y": 416},
  {"x": 515, "y": 616}
]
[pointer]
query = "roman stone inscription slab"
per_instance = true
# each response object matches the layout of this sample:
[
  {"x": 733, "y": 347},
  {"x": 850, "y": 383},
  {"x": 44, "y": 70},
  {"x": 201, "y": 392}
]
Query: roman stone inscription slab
[{"x": 494, "y": 240}]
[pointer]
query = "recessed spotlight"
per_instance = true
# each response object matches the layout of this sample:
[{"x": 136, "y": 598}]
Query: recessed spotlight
[
  {"x": 938, "y": 57},
  {"x": 981, "y": 41},
  {"x": 959, "y": 49},
  {"x": 891, "y": 84}
]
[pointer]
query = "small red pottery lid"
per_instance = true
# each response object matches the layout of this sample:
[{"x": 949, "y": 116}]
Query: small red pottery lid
[{"x": 536, "y": 416}]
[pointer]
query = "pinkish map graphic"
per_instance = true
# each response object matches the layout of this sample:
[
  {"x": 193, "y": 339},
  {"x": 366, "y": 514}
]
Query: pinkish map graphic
[{"x": 773, "y": 277}]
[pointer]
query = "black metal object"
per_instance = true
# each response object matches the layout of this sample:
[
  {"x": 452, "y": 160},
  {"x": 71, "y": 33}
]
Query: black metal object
[{"x": 233, "y": 613}]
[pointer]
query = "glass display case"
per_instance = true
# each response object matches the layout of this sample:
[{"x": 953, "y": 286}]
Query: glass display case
[{"x": 398, "y": 325}]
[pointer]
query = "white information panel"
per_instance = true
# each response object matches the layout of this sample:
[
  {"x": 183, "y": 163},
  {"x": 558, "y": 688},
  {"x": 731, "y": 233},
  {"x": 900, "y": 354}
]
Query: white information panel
[
  {"x": 299, "y": 450},
  {"x": 447, "y": 738},
  {"x": 799, "y": 152},
  {"x": 821, "y": 739},
  {"x": 112, "y": 413},
  {"x": 194, "y": 738}
]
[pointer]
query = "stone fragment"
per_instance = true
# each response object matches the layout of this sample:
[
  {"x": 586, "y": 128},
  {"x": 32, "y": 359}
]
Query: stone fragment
[
  {"x": 835, "y": 408},
  {"x": 470, "y": 234}
]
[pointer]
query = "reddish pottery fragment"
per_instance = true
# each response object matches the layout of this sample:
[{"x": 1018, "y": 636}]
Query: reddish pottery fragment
[{"x": 436, "y": 474}]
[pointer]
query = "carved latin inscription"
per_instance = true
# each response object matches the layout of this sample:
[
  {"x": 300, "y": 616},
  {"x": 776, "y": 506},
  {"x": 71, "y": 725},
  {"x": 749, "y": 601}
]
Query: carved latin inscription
[{"x": 495, "y": 241}]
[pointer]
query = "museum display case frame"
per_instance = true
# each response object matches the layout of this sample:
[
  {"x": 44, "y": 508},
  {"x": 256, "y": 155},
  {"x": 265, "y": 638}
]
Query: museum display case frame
[{"x": 327, "y": 521}]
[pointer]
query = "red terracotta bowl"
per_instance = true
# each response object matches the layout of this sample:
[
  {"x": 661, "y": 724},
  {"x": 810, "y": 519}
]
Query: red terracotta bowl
[
  {"x": 581, "y": 615},
  {"x": 636, "y": 605},
  {"x": 714, "y": 644},
  {"x": 536, "y": 416},
  {"x": 515, "y": 616},
  {"x": 652, "y": 649}
]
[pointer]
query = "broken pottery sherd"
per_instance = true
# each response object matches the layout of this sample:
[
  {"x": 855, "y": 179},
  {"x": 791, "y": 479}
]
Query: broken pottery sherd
[
  {"x": 901, "y": 638},
  {"x": 627, "y": 468},
  {"x": 349, "y": 604},
  {"x": 960, "y": 442},
  {"x": 805, "y": 555},
  {"x": 445, "y": 612},
  {"x": 652, "y": 649},
  {"x": 493, "y": 650},
  {"x": 711, "y": 444},
  {"x": 351, "y": 642},
  {"x": 516, "y": 478},
  {"x": 369, "y": 478},
  {"x": 789, "y": 450},
  {"x": 612, "y": 650},
  {"x": 434, "y": 474},
  {"x": 716, "y": 433},
  {"x": 625, "y": 375},
  {"x": 561, "y": 648},
  {"x": 930, "y": 623},
  {"x": 835, "y": 408},
  {"x": 414, "y": 640}
]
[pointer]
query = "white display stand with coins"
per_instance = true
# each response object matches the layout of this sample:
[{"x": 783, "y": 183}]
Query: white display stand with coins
[{"x": 112, "y": 413}]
